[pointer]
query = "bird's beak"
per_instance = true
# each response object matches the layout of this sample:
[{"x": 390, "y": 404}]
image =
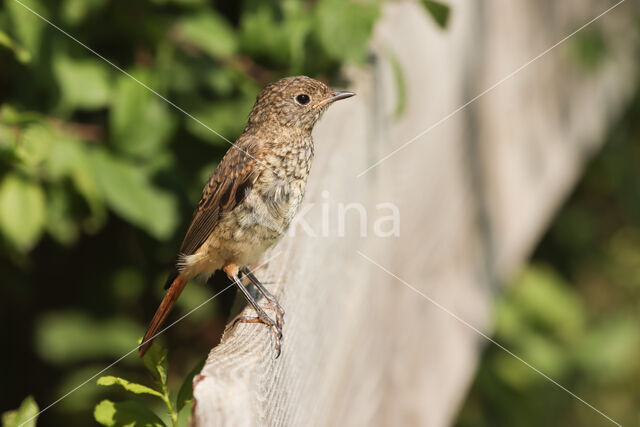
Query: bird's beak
[{"x": 335, "y": 96}]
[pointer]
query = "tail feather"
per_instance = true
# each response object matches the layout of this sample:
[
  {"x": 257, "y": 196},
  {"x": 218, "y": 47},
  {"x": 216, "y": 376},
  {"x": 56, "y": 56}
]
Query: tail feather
[{"x": 175, "y": 289}]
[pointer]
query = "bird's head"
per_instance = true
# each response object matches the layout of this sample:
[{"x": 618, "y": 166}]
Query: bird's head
[{"x": 294, "y": 102}]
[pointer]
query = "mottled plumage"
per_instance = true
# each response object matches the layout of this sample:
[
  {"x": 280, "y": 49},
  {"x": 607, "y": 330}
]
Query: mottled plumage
[{"x": 253, "y": 194}]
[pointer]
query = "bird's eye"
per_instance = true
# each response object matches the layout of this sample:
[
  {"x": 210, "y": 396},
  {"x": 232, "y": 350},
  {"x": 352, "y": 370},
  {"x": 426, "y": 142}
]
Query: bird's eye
[{"x": 302, "y": 99}]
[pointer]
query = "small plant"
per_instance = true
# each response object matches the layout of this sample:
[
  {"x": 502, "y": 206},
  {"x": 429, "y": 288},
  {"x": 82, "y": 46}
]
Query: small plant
[
  {"x": 25, "y": 416},
  {"x": 133, "y": 413}
]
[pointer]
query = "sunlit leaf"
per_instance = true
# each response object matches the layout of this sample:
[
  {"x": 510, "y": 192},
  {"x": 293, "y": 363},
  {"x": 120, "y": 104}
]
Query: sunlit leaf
[
  {"x": 611, "y": 351},
  {"x": 130, "y": 194},
  {"x": 84, "y": 83},
  {"x": 67, "y": 337},
  {"x": 127, "y": 385},
  {"x": 29, "y": 28},
  {"x": 35, "y": 144},
  {"x": 21, "y": 54},
  {"x": 75, "y": 11},
  {"x": 343, "y": 27},
  {"x": 541, "y": 295},
  {"x": 125, "y": 414},
  {"x": 24, "y": 416},
  {"x": 71, "y": 158},
  {"x": 210, "y": 32},
  {"x": 22, "y": 211},
  {"x": 140, "y": 121},
  {"x": 227, "y": 118},
  {"x": 276, "y": 31},
  {"x": 155, "y": 360}
]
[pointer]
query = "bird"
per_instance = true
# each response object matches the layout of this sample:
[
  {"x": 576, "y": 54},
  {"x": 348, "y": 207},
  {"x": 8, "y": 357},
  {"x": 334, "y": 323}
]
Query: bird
[{"x": 251, "y": 198}]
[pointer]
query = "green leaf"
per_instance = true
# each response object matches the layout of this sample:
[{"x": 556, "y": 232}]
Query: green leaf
[
  {"x": 226, "y": 117},
  {"x": 130, "y": 194},
  {"x": 543, "y": 297},
  {"x": 8, "y": 146},
  {"x": 141, "y": 123},
  {"x": 276, "y": 34},
  {"x": 181, "y": 2},
  {"x": 129, "y": 386},
  {"x": 210, "y": 32},
  {"x": 71, "y": 158},
  {"x": 69, "y": 336},
  {"x": 344, "y": 28},
  {"x": 35, "y": 144},
  {"x": 29, "y": 28},
  {"x": 401, "y": 85},
  {"x": 155, "y": 360},
  {"x": 185, "y": 394},
  {"x": 84, "y": 83},
  {"x": 128, "y": 413},
  {"x": 439, "y": 11},
  {"x": 60, "y": 219},
  {"x": 611, "y": 350},
  {"x": 22, "y": 211},
  {"x": 21, "y": 54},
  {"x": 590, "y": 48},
  {"x": 75, "y": 11},
  {"x": 24, "y": 416}
]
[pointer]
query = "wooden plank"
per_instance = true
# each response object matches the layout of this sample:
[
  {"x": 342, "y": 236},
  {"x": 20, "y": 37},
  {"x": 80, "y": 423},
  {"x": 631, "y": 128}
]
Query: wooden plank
[{"x": 474, "y": 194}]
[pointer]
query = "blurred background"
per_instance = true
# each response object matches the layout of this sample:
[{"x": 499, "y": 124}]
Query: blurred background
[{"x": 98, "y": 178}]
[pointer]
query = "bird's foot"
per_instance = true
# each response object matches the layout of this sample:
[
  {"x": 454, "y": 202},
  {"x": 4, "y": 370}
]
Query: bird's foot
[
  {"x": 275, "y": 326},
  {"x": 277, "y": 310}
]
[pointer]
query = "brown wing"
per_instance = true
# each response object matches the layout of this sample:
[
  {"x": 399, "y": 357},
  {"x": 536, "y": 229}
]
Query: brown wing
[{"x": 227, "y": 187}]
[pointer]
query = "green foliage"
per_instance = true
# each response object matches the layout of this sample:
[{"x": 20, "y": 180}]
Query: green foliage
[
  {"x": 98, "y": 174},
  {"x": 109, "y": 413},
  {"x": 129, "y": 386},
  {"x": 589, "y": 48},
  {"x": 85, "y": 84},
  {"x": 21, "y": 54},
  {"x": 344, "y": 28},
  {"x": 128, "y": 413},
  {"x": 22, "y": 211},
  {"x": 25, "y": 415},
  {"x": 400, "y": 83},
  {"x": 27, "y": 30},
  {"x": 141, "y": 123},
  {"x": 439, "y": 11},
  {"x": 573, "y": 313},
  {"x": 129, "y": 192},
  {"x": 155, "y": 360},
  {"x": 185, "y": 394},
  {"x": 210, "y": 32},
  {"x": 69, "y": 336},
  {"x": 210, "y": 65}
]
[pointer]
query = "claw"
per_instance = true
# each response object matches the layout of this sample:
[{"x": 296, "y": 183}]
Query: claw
[
  {"x": 262, "y": 317},
  {"x": 277, "y": 310},
  {"x": 275, "y": 328}
]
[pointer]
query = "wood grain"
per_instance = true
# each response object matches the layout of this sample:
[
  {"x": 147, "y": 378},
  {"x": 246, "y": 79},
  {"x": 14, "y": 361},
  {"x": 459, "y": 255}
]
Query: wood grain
[{"x": 474, "y": 194}]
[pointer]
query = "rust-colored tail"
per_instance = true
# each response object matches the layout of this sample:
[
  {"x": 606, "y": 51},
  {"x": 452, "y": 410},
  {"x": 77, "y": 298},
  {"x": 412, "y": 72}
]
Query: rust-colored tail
[{"x": 163, "y": 310}]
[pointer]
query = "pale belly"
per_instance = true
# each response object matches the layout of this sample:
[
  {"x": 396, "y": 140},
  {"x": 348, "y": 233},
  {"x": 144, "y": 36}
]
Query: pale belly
[{"x": 245, "y": 233}]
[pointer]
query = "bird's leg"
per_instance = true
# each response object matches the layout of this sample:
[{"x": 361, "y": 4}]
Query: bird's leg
[
  {"x": 272, "y": 301},
  {"x": 262, "y": 316}
]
